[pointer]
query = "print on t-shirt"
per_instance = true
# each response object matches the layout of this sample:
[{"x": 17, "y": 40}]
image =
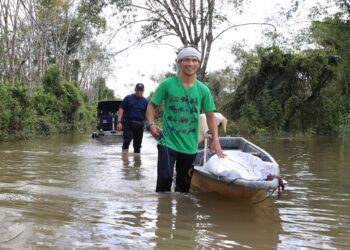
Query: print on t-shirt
[{"x": 181, "y": 114}]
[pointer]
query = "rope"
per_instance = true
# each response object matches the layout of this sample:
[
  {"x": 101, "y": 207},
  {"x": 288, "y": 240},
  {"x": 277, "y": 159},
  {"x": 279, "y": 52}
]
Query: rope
[
  {"x": 280, "y": 187},
  {"x": 161, "y": 139},
  {"x": 267, "y": 197}
]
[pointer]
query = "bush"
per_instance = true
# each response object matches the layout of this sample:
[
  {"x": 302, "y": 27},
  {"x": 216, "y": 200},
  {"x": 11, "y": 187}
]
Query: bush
[
  {"x": 57, "y": 106},
  {"x": 15, "y": 112}
]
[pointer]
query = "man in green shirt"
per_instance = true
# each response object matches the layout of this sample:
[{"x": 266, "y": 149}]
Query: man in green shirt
[{"x": 184, "y": 98}]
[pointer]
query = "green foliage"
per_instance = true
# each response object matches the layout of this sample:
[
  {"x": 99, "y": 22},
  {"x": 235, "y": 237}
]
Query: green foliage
[
  {"x": 90, "y": 10},
  {"x": 15, "y": 119},
  {"x": 45, "y": 110},
  {"x": 287, "y": 92},
  {"x": 344, "y": 127},
  {"x": 5, "y": 111},
  {"x": 333, "y": 34},
  {"x": 270, "y": 109},
  {"x": 249, "y": 122},
  {"x": 58, "y": 107},
  {"x": 104, "y": 93},
  {"x": 220, "y": 84},
  {"x": 52, "y": 81}
]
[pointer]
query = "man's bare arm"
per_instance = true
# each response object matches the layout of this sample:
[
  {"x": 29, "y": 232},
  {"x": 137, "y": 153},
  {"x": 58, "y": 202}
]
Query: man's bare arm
[
  {"x": 215, "y": 146},
  {"x": 120, "y": 113},
  {"x": 150, "y": 116}
]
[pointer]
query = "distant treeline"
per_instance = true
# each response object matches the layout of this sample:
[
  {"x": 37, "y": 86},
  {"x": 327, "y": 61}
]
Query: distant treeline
[
  {"x": 285, "y": 92},
  {"x": 56, "y": 106},
  {"x": 291, "y": 90},
  {"x": 52, "y": 68},
  {"x": 53, "y": 71}
]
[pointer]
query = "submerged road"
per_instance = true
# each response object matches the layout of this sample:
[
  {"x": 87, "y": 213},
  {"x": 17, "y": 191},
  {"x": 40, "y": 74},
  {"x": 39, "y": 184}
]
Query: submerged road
[{"x": 72, "y": 191}]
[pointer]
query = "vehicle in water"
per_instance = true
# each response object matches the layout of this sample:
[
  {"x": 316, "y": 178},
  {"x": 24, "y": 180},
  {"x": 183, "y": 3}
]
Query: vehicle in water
[
  {"x": 106, "y": 122},
  {"x": 246, "y": 173}
]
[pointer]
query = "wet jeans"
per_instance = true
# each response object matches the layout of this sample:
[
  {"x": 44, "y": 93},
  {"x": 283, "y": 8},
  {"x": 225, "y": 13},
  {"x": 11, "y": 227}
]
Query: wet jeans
[
  {"x": 133, "y": 130},
  {"x": 167, "y": 159}
]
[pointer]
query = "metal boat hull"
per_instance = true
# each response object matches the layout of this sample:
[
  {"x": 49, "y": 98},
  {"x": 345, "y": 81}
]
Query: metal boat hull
[
  {"x": 238, "y": 188},
  {"x": 204, "y": 183}
]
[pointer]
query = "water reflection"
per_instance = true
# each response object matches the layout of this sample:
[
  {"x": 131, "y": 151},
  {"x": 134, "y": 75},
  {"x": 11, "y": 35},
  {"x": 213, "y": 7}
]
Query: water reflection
[
  {"x": 176, "y": 220},
  {"x": 208, "y": 221},
  {"x": 132, "y": 166},
  {"x": 75, "y": 192},
  {"x": 109, "y": 140},
  {"x": 11, "y": 228},
  {"x": 313, "y": 208},
  {"x": 244, "y": 225}
]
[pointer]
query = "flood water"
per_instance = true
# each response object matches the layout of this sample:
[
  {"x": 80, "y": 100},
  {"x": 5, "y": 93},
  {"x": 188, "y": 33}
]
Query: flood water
[{"x": 74, "y": 192}]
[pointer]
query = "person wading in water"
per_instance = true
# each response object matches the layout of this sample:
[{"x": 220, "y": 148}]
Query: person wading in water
[
  {"x": 131, "y": 116},
  {"x": 184, "y": 97}
]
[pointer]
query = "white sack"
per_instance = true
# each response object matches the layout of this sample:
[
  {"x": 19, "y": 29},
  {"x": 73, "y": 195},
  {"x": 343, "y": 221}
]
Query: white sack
[{"x": 240, "y": 165}]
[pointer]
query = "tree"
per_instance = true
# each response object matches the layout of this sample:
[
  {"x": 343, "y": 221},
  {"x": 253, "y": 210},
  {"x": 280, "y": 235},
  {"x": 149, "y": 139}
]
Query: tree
[
  {"x": 103, "y": 92},
  {"x": 35, "y": 34},
  {"x": 284, "y": 90},
  {"x": 194, "y": 22},
  {"x": 333, "y": 33},
  {"x": 221, "y": 83},
  {"x": 8, "y": 34}
]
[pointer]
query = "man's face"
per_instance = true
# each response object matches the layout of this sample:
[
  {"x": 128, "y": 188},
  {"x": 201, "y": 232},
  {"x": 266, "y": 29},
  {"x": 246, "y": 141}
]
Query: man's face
[
  {"x": 139, "y": 92},
  {"x": 189, "y": 65}
]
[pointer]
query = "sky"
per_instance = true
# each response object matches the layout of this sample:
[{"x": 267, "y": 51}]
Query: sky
[{"x": 138, "y": 64}]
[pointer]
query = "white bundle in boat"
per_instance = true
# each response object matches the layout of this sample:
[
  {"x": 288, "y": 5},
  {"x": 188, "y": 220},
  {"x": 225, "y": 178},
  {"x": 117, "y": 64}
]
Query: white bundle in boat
[{"x": 238, "y": 164}]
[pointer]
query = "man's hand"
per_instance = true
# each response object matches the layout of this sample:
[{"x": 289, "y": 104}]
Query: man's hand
[
  {"x": 119, "y": 126},
  {"x": 156, "y": 132},
  {"x": 216, "y": 147}
]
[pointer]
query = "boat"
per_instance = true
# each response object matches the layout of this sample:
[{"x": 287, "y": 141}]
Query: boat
[
  {"x": 246, "y": 173},
  {"x": 106, "y": 121}
]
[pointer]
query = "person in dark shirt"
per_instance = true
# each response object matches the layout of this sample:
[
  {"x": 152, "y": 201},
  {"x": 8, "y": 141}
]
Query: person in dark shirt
[{"x": 131, "y": 116}]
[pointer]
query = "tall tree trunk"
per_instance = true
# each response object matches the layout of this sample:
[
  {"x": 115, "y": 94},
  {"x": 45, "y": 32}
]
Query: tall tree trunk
[
  {"x": 5, "y": 8},
  {"x": 30, "y": 44},
  {"x": 13, "y": 63}
]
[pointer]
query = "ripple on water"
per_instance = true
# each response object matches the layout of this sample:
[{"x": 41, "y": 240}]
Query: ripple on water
[
  {"x": 80, "y": 193},
  {"x": 14, "y": 233}
]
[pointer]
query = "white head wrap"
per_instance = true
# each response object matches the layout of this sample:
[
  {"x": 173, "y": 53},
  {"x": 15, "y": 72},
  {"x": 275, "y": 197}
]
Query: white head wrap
[{"x": 188, "y": 51}]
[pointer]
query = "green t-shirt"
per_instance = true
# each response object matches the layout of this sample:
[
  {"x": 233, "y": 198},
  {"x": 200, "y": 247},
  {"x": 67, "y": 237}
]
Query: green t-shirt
[{"x": 182, "y": 108}]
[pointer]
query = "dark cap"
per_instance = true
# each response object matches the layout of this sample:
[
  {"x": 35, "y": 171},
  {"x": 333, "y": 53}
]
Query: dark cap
[{"x": 139, "y": 86}]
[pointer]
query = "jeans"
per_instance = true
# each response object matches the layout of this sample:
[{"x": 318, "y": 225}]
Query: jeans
[
  {"x": 167, "y": 158},
  {"x": 133, "y": 130}
]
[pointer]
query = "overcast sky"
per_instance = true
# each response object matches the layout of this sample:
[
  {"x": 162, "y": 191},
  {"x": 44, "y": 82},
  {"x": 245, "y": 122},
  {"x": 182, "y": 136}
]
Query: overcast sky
[{"x": 140, "y": 63}]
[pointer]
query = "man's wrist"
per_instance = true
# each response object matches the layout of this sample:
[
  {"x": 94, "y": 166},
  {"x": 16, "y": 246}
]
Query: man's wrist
[
  {"x": 149, "y": 125},
  {"x": 216, "y": 139}
]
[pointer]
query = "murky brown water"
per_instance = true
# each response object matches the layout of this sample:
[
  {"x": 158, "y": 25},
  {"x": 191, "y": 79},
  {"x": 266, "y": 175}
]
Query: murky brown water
[{"x": 75, "y": 192}]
